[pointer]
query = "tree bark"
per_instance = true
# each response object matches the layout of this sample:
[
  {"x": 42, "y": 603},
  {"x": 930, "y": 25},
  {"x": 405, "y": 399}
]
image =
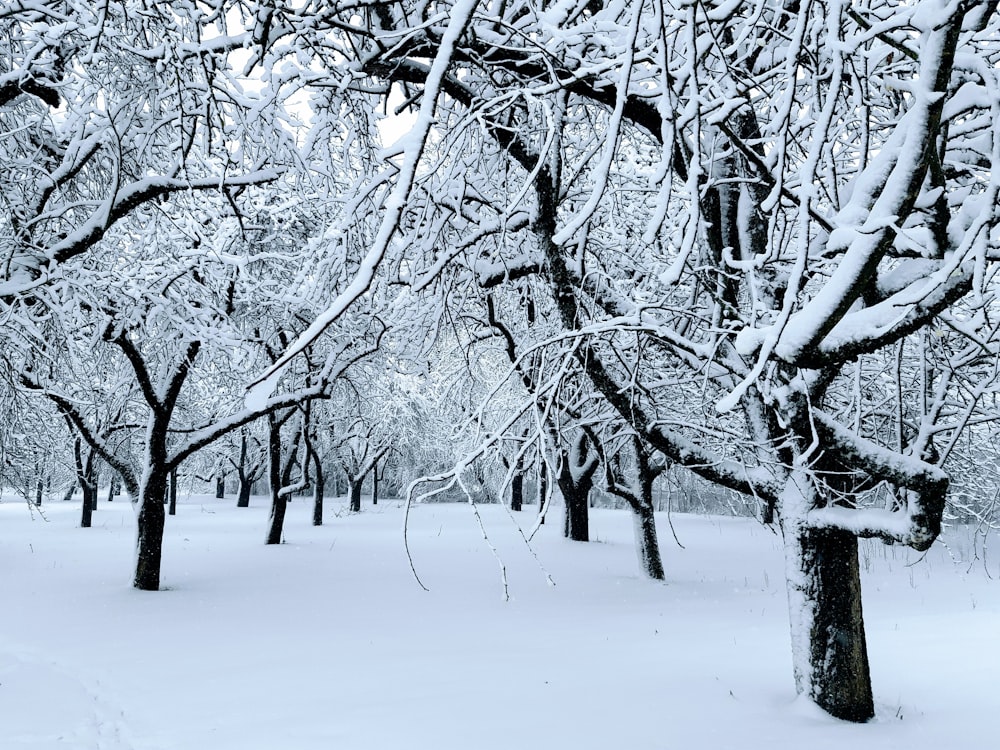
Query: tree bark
[
  {"x": 220, "y": 487},
  {"x": 317, "y": 517},
  {"x": 375, "y": 483},
  {"x": 356, "y": 486},
  {"x": 516, "y": 491},
  {"x": 828, "y": 633},
  {"x": 543, "y": 490},
  {"x": 243, "y": 498},
  {"x": 278, "y": 501},
  {"x": 150, "y": 523},
  {"x": 87, "y": 507},
  {"x": 577, "y": 501},
  {"x": 646, "y": 543},
  {"x": 173, "y": 493},
  {"x": 114, "y": 488}
]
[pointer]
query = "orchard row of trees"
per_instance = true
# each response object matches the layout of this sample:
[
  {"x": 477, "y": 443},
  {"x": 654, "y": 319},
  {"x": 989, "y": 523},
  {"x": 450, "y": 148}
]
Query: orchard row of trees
[{"x": 578, "y": 241}]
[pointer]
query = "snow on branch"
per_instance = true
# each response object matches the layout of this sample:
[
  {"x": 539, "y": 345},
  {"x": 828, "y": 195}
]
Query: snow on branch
[{"x": 917, "y": 523}]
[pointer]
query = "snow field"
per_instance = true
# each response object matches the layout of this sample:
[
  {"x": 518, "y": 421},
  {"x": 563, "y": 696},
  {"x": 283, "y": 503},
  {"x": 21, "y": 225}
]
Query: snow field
[{"x": 328, "y": 642}]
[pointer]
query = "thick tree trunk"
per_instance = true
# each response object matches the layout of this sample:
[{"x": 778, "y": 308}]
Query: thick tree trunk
[
  {"x": 828, "y": 633},
  {"x": 575, "y": 487},
  {"x": 646, "y": 543},
  {"x": 150, "y": 523},
  {"x": 355, "y": 485},
  {"x": 243, "y": 498},
  {"x": 317, "y": 518},
  {"x": 87, "y": 508},
  {"x": 577, "y": 520},
  {"x": 516, "y": 491}
]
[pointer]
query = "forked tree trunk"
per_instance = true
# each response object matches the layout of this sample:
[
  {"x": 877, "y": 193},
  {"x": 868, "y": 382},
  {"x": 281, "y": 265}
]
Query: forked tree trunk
[
  {"x": 150, "y": 525},
  {"x": 576, "y": 479},
  {"x": 516, "y": 491},
  {"x": 828, "y": 632}
]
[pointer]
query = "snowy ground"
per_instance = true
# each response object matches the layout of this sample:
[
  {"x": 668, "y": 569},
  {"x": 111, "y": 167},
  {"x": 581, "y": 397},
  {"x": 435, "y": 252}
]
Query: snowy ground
[{"x": 327, "y": 641}]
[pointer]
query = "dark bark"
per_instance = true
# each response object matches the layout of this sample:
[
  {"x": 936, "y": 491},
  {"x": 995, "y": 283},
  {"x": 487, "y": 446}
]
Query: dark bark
[
  {"x": 543, "y": 489},
  {"x": 39, "y": 490},
  {"x": 318, "y": 487},
  {"x": 243, "y": 498},
  {"x": 639, "y": 497},
  {"x": 576, "y": 479},
  {"x": 246, "y": 474},
  {"x": 69, "y": 492},
  {"x": 150, "y": 522},
  {"x": 355, "y": 489},
  {"x": 87, "y": 507},
  {"x": 173, "y": 493},
  {"x": 577, "y": 500},
  {"x": 88, "y": 483},
  {"x": 375, "y": 484},
  {"x": 278, "y": 501},
  {"x": 839, "y": 680},
  {"x": 115, "y": 487},
  {"x": 220, "y": 487},
  {"x": 516, "y": 491}
]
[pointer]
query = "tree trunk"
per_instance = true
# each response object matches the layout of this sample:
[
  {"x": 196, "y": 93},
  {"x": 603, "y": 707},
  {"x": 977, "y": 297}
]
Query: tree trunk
[
  {"x": 69, "y": 492},
  {"x": 317, "y": 519},
  {"x": 220, "y": 487},
  {"x": 543, "y": 490},
  {"x": 356, "y": 485},
  {"x": 243, "y": 498},
  {"x": 87, "y": 509},
  {"x": 39, "y": 489},
  {"x": 646, "y": 544},
  {"x": 115, "y": 487},
  {"x": 577, "y": 522},
  {"x": 828, "y": 633},
  {"x": 150, "y": 523},
  {"x": 575, "y": 490},
  {"x": 278, "y": 501},
  {"x": 173, "y": 493},
  {"x": 516, "y": 491},
  {"x": 375, "y": 483}
]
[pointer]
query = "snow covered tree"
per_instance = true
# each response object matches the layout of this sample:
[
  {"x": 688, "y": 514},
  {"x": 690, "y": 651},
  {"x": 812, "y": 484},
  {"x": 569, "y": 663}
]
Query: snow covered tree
[{"x": 733, "y": 204}]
